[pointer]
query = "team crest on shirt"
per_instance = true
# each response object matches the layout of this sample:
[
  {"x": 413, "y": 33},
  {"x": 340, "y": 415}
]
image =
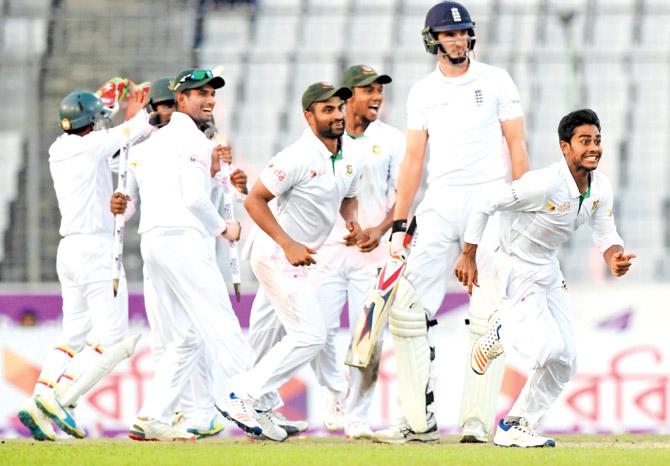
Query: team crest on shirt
[
  {"x": 550, "y": 207},
  {"x": 350, "y": 170},
  {"x": 595, "y": 205},
  {"x": 376, "y": 150},
  {"x": 279, "y": 174},
  {"x": 479, "y": 97}
]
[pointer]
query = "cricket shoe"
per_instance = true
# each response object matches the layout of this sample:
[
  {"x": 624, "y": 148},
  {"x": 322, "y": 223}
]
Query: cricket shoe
[
  {"x": 49, "y": 404},
  {"x": 358, "y": 430},
  {"x": 152, "y": 430},
  {"x": 201, "y": 427},
  {"x": 241, "y": 412},
  {"x": 517, "y": 433},
  {"x": 271, "y": 430},
  {"x": 334, "y": 419},
  {"x": 487, "y": 347},
  {"x": 474, "y": 432},
  {"x": 36, "y": 421},
  {"x": 403, "y": 433},
  {"x": 292, "y": 427}
]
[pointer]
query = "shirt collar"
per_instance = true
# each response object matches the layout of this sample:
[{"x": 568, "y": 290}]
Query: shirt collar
[
  {"x": 311, "y": 138},
  {"x": 567, "y": 176}
]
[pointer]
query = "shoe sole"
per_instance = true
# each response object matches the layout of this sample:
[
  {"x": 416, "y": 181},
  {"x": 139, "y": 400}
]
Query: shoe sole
[
  {"x": 547, "y": 444},
  {"x": 38, "y": 434},
  {"x": 65, "y": 427},
  {"x": 204, "y": 434},
  {"x": 290, "y": 430},
  {"x": 432, "y": 437},
  {"x": 141, "y": 437},
  {"x": 471, "y": 439},
  {"x": 359, "y": 437},
  {"x": 257, "y": 431}
]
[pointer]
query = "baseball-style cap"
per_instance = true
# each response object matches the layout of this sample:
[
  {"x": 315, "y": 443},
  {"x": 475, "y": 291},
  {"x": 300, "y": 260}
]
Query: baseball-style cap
[
  {"x": 363, "y": 75},
  {"x": 195, "y": 79},
  {"x": 318, "y": 92}
]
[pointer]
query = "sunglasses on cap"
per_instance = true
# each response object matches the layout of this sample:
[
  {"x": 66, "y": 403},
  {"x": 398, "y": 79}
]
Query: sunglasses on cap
[{"x": 195, "y": 75}]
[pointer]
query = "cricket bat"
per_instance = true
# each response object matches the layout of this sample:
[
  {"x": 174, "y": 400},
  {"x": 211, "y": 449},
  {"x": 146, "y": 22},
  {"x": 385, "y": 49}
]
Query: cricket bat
[
  {"x": 376, "y": 309},
  {"x": 119, "y": 219}
]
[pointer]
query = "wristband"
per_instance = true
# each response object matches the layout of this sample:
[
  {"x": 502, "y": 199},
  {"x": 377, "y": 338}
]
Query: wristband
[{"x": 399, "y": 225}]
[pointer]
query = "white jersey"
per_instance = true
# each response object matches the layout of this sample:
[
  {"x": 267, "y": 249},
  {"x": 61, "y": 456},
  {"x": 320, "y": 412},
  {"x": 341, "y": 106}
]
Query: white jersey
[
  {"x": 310, "y": 184},
  {"x": 462, "y": 116},
  {"x": 378, "y": 152},
  {"x": 82, "y": 177},
  {"x": 171, "y": 172},
  {"x": 543, "y": 208}
]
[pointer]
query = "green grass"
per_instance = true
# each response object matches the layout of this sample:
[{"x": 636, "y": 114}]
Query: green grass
[{"x": 635, "y": 450}]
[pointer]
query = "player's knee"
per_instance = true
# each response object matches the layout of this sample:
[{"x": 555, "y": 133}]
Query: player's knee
[{"x": 407, "y": 317}]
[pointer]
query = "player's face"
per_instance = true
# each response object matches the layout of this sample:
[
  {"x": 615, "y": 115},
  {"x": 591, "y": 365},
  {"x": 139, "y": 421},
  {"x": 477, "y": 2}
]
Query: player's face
[
  {"x": 454, "y": 43},
  {"x": 327, "y": 118},
  {"x": 198, "y": 103},
  {"x": 367, "y": 101},
  {"x": 585, "y": 149},
  {"x": 164, "y": 111}
]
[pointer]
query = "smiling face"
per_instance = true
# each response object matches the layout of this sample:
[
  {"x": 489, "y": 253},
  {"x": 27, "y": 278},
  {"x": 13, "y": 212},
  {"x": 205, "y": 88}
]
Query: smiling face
[
  {"x": 584, "y": 150},
  {"x": 197, "y": 103},
  {"x": 367, "y": 101},
  {"x": 327, "y": 118}
]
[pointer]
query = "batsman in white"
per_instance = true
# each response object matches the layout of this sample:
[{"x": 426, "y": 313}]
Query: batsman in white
[
  {"x": 95, "y": 323},
  {"x": 314, "y": 181},
  {"x": 469, "y": 116},
  {"x": 173, "y": 171},
  {"x": 197, "y": 413},
  {"x": 539, "y": 213}
]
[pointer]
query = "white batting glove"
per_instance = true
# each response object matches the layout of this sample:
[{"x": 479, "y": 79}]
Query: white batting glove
[
  {"x": 398, "y": 232},
  {"x": 232, "y": 231}
]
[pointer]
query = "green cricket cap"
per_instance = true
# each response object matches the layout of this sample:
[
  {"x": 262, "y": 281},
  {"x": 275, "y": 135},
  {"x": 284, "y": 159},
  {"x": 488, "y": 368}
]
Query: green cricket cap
[
  {"x": 195, "y": 79},
  {"x": 363, "y": 75},
  {"x": 318, "y": 92}
]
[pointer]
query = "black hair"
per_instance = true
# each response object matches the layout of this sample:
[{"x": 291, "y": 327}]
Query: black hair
[
  {"x": 585, "y": 116},
  {"x": 80, "y": 130}
]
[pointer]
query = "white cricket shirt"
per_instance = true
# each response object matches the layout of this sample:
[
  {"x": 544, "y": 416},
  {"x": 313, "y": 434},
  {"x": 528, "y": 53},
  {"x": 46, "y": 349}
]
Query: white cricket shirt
[
  {"x": 171, "y": 172},
  {"x": 82, "y": 177},
  {"x": 378, "y": 153},
  {"x": 543, "y": 208},
  {"x": 462, "y": 116},
  {"x": 309, "y": 186}
]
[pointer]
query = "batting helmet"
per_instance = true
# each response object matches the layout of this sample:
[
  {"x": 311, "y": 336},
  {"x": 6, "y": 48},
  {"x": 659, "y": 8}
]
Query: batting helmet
[
  {"x": 161, "y": 92},
  {"x": 446, "y": 16},
  {"x": 81, "y": 108}
]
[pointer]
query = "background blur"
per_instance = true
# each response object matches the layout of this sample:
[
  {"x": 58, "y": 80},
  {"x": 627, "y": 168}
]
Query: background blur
[{"x": 610, "y": 55}]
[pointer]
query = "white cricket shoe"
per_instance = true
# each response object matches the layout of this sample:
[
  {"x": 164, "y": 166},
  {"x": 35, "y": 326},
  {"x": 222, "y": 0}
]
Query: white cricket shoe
[
  {"x": 270, "y": 428},
  {"x": 201, "y": 427},
  {"x": 334, "y": 419},
  {"x": 152, "y": 430},
  {"x": 474, "y": 432},
  {"x": 291, "y": 427},
  {"x": 358, "y": 430},
  {"x": 36, "y": 421},
  {"x": 241, "y": 412},
  {"x": 64, "y": 418},
  {"x": 487, "y": 347},
  {"x": 518, "y": 433},
  {"x": 403, "y": 433}
]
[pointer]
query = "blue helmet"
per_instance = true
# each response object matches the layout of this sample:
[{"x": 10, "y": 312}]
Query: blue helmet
[{"x": 446, "y": 16}]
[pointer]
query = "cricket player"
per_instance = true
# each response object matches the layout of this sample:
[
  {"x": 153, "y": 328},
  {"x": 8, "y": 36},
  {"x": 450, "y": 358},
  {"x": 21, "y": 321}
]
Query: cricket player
[
  {"x": 314, "y": 181},
  {"x": 348, "y": 269},
  {"x": 468, "y": 114},
  {"x": 95, "y": 323},
  {"x": 540, "y": 212},
  {"x": 173, "y": 171}
]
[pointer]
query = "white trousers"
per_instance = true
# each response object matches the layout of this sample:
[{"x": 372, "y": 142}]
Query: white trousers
[
  {"x": 194, "y": 310},
  {"x": 91, "y": 313},
  {"x": 291, "y": 292},
  {"x": 536, "y": 326}
]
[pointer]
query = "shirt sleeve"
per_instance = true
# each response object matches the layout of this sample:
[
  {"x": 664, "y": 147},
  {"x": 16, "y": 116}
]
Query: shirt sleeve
[
  {"x": 195, "y": 183},
  {"x": 509, "y": 101},
  {"x": 281, "y": 173},
  {"x": 397, "y": 154},
  {"x": 416, "y": 112},
  {"x": 133, "y": 192},
  {"x": 527, "y": 194},
  {"x": 605, "y": 234},
  {"x": 355, "y": 183},
  {"x": 109, "y": 141}
]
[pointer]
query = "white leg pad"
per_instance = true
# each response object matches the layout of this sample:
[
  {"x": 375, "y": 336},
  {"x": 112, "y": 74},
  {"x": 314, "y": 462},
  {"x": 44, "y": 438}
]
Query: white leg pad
[
  {"x": 407, "y": 322},
  {"x": 480, "y": 392}
]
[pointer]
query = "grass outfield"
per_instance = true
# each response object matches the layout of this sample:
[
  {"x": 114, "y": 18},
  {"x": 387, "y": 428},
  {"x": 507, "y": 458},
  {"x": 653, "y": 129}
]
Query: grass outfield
[{"x": 639, "y": 450}]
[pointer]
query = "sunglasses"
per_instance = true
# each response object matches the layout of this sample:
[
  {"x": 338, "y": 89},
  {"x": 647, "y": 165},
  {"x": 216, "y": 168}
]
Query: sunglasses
[{"x": 195, "y": 75}]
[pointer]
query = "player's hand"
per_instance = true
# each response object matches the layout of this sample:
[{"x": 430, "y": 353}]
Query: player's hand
[
  {"x": 232, "y": 231},
  {"x": 118, "y": 203},
  {"x": 466, "y": 271},
  {"x": 369, "y": 239},
  {"x": 239, "y": 179},
  {"x": 299, "y": 254},
  {"x": 354, "y": 230},
  {"x": 136, "y": 98},
  {"x": 397, "y": 243},
  {"x": 223, "y": 153},
  {"x": 620, "y": 263}
]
